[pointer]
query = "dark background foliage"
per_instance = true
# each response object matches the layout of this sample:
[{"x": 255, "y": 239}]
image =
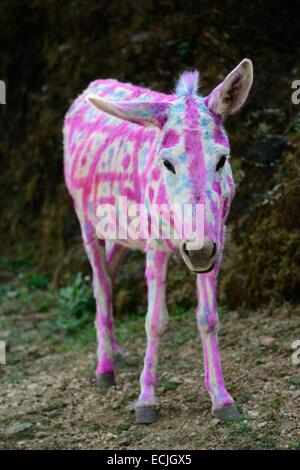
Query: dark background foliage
[{"x": 51, "y": 50}]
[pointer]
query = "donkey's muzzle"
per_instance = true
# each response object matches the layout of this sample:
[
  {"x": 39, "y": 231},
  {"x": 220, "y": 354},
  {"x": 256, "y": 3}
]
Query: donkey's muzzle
[{"x": 199, "y": 258}]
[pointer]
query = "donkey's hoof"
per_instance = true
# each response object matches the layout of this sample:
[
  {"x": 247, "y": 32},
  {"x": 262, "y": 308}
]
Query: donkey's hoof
[
  {"x": 105, "y": 380},
  {"x": 226, "y": 412},
  {"x": 145, "y": 414},
  {"x": 119, "y": 360}
]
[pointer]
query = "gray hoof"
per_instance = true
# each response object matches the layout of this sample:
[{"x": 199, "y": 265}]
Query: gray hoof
[
  {"x": 105, "y": 380},
  {"x": 119, "y": 360},
  {"x": 145, "y": 414},
  {"x": 226, "y": 412}
]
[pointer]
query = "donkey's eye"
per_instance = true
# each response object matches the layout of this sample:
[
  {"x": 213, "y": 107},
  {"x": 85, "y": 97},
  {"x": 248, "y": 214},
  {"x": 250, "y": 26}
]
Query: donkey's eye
[
  {"x": 221, "y": 163},
  {"x": 169, "y": 166}
]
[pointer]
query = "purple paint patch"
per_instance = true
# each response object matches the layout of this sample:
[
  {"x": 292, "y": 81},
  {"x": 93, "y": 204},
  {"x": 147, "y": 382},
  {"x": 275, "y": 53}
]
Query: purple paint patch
[
  {"x": 105, "y": 364},
  {"x": 170, "y": 139},
  {"x": 151, "y": 194},
  {"x": 217, "y": 187},
  {"x": 156, "y": 174},
  {"x": 219, "y": 135},
  {"x": 126, "y": 161}
]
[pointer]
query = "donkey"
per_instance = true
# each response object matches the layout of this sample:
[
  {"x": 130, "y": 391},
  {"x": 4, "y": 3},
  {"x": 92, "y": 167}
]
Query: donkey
[{"x": 150, "y": 147}]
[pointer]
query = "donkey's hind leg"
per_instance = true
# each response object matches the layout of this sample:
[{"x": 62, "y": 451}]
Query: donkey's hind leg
[
  {"x": 115, "y": 255},
  {"x": 102, "y": 286}
]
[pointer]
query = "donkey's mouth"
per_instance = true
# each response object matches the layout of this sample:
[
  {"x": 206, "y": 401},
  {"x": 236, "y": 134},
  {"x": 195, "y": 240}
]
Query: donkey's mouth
[
  {"x": 199, "y": 261},
  {"x": 206, "y": 270}
]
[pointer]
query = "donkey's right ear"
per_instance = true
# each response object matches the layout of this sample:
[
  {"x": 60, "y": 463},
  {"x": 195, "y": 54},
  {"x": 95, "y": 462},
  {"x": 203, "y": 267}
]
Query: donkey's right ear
[{"x": 144, "y": 113}]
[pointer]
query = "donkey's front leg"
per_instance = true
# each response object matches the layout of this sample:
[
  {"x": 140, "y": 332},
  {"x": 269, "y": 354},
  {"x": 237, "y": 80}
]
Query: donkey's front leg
[
  {"x": 156, "y": 324},
  {"x": 223, "y": 406}
]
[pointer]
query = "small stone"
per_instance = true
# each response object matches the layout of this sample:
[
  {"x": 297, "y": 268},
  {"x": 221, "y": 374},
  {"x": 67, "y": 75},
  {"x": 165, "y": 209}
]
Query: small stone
[
  {"x": 130, "y": 407},
  {"x": 15, "y": 428},
  {"x": 125, "y": 441},
  {"x": 215, "y": 421},
  {"x": 262, "y": 425},
  {"x": 22, "y": 443},
  {"x": 141, "y": 36},
  {"x": 253, "y": 413},
  {"x": 267, "y": 340}
]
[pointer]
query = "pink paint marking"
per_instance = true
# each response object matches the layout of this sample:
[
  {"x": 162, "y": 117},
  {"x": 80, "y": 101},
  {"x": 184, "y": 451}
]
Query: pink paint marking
[
  {"x": 107, "y": 157},
  {"x": 171, "y": 138}
]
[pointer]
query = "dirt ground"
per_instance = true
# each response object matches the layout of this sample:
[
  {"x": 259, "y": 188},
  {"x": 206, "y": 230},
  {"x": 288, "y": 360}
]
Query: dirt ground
[{"x": 49, "y": 399}]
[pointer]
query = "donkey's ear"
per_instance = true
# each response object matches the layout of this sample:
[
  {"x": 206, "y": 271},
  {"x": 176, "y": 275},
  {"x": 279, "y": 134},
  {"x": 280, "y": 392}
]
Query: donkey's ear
[
  {"x": 231, "y": 94},
  {"x": 143, "y": 113}
]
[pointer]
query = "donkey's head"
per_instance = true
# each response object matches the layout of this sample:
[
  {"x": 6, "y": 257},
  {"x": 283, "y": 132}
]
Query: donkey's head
[{"x": 194, "y": 151}]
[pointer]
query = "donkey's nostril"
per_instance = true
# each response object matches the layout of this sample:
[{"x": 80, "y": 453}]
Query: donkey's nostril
[
  {"x": 214, "y": 250},
  {"x": 186, "y": 251}
]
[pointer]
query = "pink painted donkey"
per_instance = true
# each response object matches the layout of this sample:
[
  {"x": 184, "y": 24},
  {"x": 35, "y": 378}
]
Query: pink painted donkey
[{"x": 165, "y": 149}]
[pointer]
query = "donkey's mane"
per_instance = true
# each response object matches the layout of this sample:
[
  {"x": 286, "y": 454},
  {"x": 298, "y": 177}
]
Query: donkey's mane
[{"x": 187, "y": 84}]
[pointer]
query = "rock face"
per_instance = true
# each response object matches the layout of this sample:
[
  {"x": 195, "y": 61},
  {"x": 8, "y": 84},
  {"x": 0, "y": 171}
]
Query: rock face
[
  {"x": 148, "y": 44},
  {"x": 259, "y": 164},
  {"x": 263, "y": 253},
  {"x": 268, "y": 151}
]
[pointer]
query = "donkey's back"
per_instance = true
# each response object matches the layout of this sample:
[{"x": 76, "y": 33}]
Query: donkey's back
[{"x": 105, "y": 156}]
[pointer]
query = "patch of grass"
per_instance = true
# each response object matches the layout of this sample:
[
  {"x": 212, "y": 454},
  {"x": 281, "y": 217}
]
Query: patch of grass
[
  {"x": 37, "y": 281},
  {"x": 293, "y": 381},
  {"x": 169, "y": 385},
  {"x": 258, "y": 362},
  {"x": 23, "y": 262},
  {"x": 29, "y": 294},
  {"x": 8, "y": 291},
  {"x": 191, "y": 397},
  {"x": 275, "y": 348},
  {"x": 296, "y": 446},
  {"x": 245, "y": 396},
  {"x": 182, "y": 306},
  {"x": 15, "y": 376},
  {"x": 77, "y": 298},
  {"x": 76, "y": 314},
  {"x": 266, "y": 444},
  {"x": 129, "y": 329},
  {"x": 223, "y": 310},
  {"x": 96, "y": 427},
  {"x": 182, "y": 334},
  {"x": 274, "y": 403},
  {"x": 245, "y": 429},
  {"x": 46, "y": 303}
]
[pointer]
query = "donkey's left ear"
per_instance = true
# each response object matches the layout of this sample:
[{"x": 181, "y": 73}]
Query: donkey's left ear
[{"x": 231, "y": 94}]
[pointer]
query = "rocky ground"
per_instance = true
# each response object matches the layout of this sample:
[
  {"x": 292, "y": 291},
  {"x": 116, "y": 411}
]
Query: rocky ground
[{"x": 49, "y": 399}]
